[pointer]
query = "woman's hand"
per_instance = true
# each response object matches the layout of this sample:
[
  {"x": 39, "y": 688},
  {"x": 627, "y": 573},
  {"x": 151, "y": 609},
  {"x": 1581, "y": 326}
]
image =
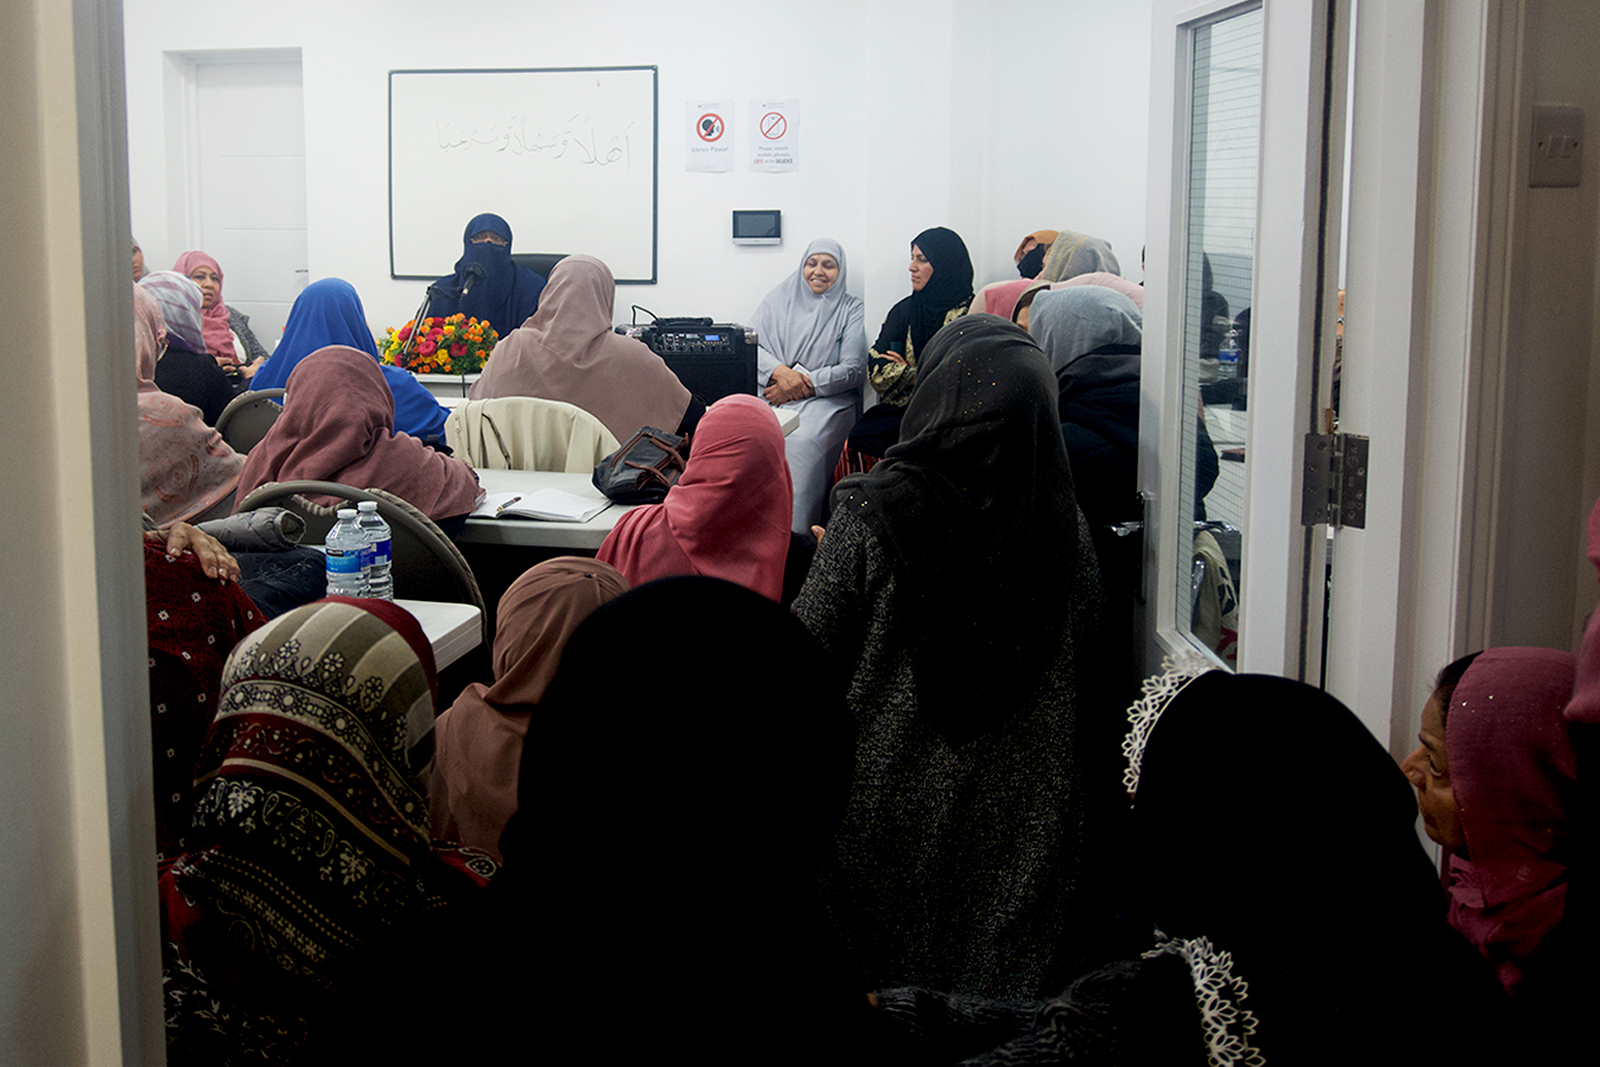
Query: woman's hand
[
  {"x": 215, "y": 560},
  {"x": 249, "y": 369},
  {"x": 788, "y": 384}
]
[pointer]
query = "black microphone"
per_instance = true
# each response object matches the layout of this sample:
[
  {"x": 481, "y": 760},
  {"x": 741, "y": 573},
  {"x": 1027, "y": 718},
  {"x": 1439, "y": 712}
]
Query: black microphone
[{"x": 474, "y": 276}]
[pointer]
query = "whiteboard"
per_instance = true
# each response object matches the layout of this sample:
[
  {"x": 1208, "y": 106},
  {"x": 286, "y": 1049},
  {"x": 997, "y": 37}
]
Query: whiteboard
[{"x": 566, "y": 156}]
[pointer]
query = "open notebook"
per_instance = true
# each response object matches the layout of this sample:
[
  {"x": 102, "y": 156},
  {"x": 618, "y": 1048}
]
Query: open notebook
[{"x": 550, "y": 505}]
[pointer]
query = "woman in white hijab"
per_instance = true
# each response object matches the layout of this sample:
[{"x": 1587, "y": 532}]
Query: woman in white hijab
[{"x": 813, "y": 358}]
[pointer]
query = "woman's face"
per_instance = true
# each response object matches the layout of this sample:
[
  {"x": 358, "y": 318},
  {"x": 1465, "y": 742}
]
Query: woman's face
[
  {"x": 138, "y": 263},
  {"x": 210, "y": 284},
  {"x": 488, "y": 237},
  {"x": 820, "y": 272},
  {"x": 1428, "y": 769},
  {"x": 921, "y": 269}
]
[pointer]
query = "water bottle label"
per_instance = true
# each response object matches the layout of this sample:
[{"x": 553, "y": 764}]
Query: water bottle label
[
  {"x": 1228, "y": 355},
  {"x": 380, "y": 552},
  {"x": 366, "y": 556},
  {"x": 344, "y": 561}
]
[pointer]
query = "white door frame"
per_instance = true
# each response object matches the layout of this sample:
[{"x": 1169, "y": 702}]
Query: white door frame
[{"x": 1434, "y": 151}]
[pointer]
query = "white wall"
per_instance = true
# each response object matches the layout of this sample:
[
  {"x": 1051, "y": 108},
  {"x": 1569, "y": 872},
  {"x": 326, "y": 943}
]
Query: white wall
[
  {"x": 1543, "y": 585},
  {"x": 913, "y": 114}
]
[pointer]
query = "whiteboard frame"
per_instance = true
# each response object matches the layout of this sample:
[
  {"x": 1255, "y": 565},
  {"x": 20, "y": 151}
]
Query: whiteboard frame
[{"x": 655, "y": 154}]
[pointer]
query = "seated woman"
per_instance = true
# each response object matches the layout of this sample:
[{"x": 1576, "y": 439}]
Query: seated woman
[
  {"x": 338, "y": 426},
  {"x": 568, "y": 352},
  {"x": 813, "y": 359},
  {"x": 503, "y": 293},
  {"x": 478, "y": 739},
  {"x": 1495, "y": 780},
  {"x": 1031, "y": 250},
  {"x": 187, "y": 469},
  {"x": 958, "y": 583},
  {"x": 284, "y": 881},
  {"x": 196, "y": 612},
  {"x": 941, "y": 289},
  {"x": 1279, "y": 917},
  {"x": 183, "y": 367},
  {"x": 329, "y": 312},
  {"x": 228, "y": 336},
  {"x": 728, "y": 516}
]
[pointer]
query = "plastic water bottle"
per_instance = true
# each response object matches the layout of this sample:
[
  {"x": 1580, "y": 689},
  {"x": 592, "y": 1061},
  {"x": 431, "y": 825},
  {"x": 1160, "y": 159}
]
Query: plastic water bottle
[
  {"x": 347, "y": 548},
  {"x": 1228, "y": 357},
  {"x": 380, "y": 582}
]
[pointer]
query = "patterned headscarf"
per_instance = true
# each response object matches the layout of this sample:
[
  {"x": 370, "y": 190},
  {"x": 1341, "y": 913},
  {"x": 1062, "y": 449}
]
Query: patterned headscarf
[
  {"x": 310, "y": 817},
  {"x": 180, "y": 299}
]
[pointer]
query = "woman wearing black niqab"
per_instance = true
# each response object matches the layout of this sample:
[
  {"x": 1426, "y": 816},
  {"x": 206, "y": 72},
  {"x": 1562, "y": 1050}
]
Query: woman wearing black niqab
[{"x": 507, "y": 293}]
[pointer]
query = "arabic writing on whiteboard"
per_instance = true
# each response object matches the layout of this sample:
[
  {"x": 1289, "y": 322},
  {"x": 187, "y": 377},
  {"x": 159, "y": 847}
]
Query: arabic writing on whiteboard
[{"x": 576, "y": 140}]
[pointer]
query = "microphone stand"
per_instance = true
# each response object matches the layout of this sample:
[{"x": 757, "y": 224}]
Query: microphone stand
[{"x": 434, "y": 290}]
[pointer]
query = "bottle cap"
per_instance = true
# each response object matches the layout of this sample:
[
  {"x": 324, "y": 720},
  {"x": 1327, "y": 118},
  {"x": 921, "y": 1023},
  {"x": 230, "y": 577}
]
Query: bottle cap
[
  {"x": 347, "y": 513},
  {"x": 368, "y": 505}
]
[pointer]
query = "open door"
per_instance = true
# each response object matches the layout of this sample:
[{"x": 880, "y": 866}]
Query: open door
[{"x": 1247, "y": 106}]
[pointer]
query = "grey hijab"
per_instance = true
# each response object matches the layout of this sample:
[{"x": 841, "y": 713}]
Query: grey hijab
[
  {"x": 1073, "y": 253},
  {"x": 1069, "y": 323},
  {"x": 799, "y": 326}
]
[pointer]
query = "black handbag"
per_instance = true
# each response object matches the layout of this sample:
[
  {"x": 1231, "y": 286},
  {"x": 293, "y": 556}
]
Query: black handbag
[{"x": 643, "y": 469}]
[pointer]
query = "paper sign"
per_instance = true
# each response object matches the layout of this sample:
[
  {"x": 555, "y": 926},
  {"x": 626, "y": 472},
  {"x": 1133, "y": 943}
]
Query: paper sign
[
  {"x": 775, "y": 135},
  {"x": 708, "y": 128}
]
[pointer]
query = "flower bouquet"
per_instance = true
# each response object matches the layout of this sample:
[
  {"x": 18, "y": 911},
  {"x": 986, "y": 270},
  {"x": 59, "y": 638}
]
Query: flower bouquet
[{"x": 456, "y": 345}]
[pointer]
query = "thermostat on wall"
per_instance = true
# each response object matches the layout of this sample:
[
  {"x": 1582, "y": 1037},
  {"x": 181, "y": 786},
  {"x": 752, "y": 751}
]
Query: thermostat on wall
[{"x": 758, "y": 227}]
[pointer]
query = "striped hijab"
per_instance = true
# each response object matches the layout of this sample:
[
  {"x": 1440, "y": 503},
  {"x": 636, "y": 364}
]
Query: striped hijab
[{"x": 310, "y": 816}]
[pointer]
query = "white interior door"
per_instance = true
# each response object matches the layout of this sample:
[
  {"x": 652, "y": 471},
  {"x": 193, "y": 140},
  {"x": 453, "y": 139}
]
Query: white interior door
[
  {"x": 246, "y": 141},
  {"x": 1246, "y": 161}
]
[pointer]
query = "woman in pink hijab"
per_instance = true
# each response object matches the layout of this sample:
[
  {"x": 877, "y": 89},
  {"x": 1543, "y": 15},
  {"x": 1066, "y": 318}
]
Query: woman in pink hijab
[
  {"x": 567, "y": 351},
  {"x": 728, "y": 516},
  {"x": 338, "y": 426},
  {"x": 478, "y": 740},
  {"x": 221, "y": 324},
  {"x": 1494, "y": 776},
  {"x": 187, "y": 468}
]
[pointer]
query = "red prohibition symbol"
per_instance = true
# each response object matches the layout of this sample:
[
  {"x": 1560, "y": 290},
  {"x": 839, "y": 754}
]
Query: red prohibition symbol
[
  {"x": 709, "y": 127},
  {"x": 774, "y": 125}
]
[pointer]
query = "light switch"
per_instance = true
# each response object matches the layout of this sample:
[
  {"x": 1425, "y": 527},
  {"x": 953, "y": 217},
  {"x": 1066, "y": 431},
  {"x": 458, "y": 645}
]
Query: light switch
[{"x": 1557, "y": 146}]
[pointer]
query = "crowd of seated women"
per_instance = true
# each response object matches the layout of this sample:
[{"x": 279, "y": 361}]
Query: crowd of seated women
[{"x": 906, "y": 818}]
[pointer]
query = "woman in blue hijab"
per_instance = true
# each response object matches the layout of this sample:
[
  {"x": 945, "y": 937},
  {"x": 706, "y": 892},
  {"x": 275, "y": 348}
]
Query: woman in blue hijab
[
  {"x": 505, "y": 293},
  {"x": 328, "y": 312}
]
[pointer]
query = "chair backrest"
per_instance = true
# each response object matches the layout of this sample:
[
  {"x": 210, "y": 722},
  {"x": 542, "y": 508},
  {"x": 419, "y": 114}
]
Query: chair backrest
[
  {"x": 541, "y": 263},
  {"x": 529, "y": 434},
  {"x": 248, "y": 417},
  {"x": 426, "y": 564}
]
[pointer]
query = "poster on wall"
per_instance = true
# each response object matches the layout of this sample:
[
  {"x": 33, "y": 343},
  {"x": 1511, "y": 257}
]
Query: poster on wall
[
  {"x": 708, "y": 132},
  {"x": 775, "y": 136}
]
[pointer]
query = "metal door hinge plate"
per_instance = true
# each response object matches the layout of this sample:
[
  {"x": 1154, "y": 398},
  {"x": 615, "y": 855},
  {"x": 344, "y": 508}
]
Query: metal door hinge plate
[{"x": 1335, "y": 482}]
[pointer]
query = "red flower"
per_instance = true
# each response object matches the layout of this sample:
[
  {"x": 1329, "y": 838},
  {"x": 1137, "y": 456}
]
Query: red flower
[
  {"x": 426, "y": 348},
  {"x": 458, "y": 350}
]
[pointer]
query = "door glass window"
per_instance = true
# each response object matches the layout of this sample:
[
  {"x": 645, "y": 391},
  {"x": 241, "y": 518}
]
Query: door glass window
[{"x": 1223, "y": 147}]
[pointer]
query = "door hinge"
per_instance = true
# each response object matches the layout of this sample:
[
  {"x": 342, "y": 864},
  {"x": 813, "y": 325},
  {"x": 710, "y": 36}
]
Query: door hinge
[{"x": 1335, "y": 480}]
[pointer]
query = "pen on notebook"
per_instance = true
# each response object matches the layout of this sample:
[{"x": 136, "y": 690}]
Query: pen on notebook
[{"x": 507, "y": 504}]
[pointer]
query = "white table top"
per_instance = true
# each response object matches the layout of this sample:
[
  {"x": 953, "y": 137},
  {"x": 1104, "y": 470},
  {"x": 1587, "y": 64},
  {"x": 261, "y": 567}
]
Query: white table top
[
  {"x": 515, "y": 531},
  {"x": 452, "y": 629}
]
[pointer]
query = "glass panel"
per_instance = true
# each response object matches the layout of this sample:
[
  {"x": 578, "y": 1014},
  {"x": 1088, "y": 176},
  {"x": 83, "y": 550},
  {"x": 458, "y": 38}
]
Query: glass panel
[{"x": 1220, "y": 210}]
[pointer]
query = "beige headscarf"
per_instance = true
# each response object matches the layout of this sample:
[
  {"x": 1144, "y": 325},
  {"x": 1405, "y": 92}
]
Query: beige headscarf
[
  {"x": 567, "y": 351},
  {"x": 186, "y": 466},
  {"x": 478, "y": 740}
]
